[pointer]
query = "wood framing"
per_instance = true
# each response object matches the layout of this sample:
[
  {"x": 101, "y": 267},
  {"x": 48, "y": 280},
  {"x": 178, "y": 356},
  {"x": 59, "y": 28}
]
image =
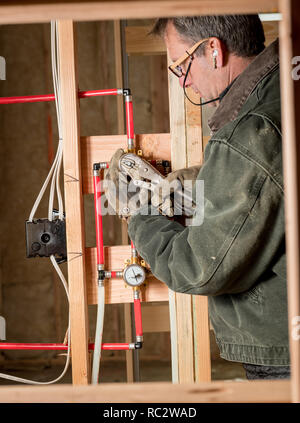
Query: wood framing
[
  {"x": 102, "y": 148},
  {"x": 15, "y": 12},
  {"x": 290, "y": 97},
  {"x": 74, "y": 203},
  {"x": 213, "y": 392},
  {"x": 116, "y": 290},
  {"x": 139, "y": 42},
  {"x": 187, "y": 150}
]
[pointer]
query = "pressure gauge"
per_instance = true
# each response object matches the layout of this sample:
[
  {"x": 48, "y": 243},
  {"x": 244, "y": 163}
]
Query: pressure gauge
[{"x": 134, "y": 275}]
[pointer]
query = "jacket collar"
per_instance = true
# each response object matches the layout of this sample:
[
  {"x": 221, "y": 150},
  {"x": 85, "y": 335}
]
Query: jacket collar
[{"x": 243, "y": 85}]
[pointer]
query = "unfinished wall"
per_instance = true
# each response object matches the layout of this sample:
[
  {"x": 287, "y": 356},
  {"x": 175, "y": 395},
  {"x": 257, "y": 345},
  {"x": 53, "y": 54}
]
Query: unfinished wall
[{"x": 32, "y": 299}]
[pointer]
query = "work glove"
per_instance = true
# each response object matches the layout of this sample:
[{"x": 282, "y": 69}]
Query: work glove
[
  {"x": 177, "y": 187},
  {"x": 131, "y": 182},
  {"x": 122, "y": 194},
  {"x": 171, "y": 195},
  {"x": 145, "y": 176}
]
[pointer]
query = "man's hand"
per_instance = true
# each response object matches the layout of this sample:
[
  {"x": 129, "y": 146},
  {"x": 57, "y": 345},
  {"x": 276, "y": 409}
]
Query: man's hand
[
  {"x": 121, "y": 193},
  {"x": 177, "y": 187},
  {"x": 130, "y": 181}
]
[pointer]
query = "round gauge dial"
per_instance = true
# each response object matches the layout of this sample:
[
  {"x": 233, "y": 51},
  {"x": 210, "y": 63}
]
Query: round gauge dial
[{"x": 134, "y": 275}]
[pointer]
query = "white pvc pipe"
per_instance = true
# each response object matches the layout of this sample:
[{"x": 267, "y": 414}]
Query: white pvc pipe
[{"x": 98, "y": 335}]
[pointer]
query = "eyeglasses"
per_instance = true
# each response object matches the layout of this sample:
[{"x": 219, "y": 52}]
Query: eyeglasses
[{"x": 176, "y": 68}]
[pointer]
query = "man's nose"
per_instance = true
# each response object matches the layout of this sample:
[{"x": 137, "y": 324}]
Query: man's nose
[{"x": 187, "y": 82}]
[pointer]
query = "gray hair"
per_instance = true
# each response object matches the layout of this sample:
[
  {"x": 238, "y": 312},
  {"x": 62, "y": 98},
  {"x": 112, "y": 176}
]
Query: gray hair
[{"x": 243, "y": 35}]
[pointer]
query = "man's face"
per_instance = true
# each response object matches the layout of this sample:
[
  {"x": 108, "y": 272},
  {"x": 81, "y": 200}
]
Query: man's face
[{"x": 201, "y": 77}]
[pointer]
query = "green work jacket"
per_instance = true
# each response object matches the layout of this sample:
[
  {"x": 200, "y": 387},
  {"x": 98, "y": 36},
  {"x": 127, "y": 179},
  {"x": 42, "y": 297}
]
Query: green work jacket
[{"x": 236, "y": 254}]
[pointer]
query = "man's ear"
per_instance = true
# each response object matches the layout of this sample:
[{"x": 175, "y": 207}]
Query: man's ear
[{"x": 215, "y": 52}]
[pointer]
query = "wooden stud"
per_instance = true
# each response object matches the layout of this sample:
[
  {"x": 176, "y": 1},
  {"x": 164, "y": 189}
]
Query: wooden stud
[
  {"x": 73, "y": 203},
  {"x": 201, "y": 332},
  {"x": 178, "y": 159},
  {"x": 121, "y": 130},
  {"x": 290, "y": 94},
  {"x": 201, "y": 339},
  {"x": 187, "y": 150},
  {"x": 183, "y": 316}
]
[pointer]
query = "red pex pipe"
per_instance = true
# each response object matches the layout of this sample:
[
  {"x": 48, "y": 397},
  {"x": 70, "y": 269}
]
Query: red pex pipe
[
  {"x": 31, "y": 346},
  {"x": 97, "y": 93},
  {"x": 129, "y": 119},
  {"x": 51, "y": 97},
  {"x": 38, "y": 346},
  {"x": 138, "y": 317},
  {"x": 98, "y": 220},
  {"x": 115, "y": 346}
]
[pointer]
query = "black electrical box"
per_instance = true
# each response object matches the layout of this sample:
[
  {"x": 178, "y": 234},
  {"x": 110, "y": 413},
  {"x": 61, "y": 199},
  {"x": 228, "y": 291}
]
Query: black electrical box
[{"x": 45, "y": 238}]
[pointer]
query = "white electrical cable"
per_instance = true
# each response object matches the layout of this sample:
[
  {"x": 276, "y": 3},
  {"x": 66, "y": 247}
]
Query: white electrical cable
[
  {"x": 43, "y": 189},
  {"x": 98, "y": 335},
  {"x": 57, "y": 92},
  {"x": 55, "y": 174},
  {"x": 61, "y": 275},
  {"x": 54, "y": 183},
  {"x": 56, "y": 165}
]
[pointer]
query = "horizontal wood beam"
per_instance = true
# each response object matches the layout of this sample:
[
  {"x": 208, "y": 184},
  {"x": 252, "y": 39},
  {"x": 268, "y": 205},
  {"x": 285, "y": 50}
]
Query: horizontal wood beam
[
  {"x": 115, "y": 289},
  {"x": 163, "y": 392},
  {"x": 101, "y": 148},
  {"x": 139, "y": 42},
  {"x": 16, "y": 12}
]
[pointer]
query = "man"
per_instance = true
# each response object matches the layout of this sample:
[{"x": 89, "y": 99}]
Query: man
[{"x": 237, "y": 255}]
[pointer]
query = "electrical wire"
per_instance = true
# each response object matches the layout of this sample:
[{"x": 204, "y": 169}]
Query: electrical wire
[
  {"x": 56, "y": 165},
  {"x": 55, "y": 174}
]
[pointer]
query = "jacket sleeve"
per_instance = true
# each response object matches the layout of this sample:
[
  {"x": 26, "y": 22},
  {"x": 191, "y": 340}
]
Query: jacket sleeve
[{"x": 235, "y": 242}]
